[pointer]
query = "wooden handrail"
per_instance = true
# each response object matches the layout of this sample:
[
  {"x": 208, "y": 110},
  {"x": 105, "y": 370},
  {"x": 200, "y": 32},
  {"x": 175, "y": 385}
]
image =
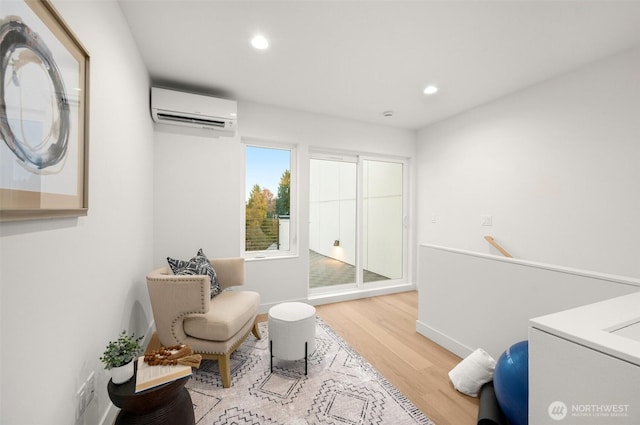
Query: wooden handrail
[{"x": 497, "y": 246}]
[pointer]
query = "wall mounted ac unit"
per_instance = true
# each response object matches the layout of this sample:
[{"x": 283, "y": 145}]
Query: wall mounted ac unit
[{"x": 194, "y": 110}]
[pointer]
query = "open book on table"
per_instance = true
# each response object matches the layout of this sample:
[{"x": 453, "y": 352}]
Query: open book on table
[{"x": 152, "y": 376}]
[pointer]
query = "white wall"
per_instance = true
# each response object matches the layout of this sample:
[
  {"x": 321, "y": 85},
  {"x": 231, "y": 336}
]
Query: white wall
[
  {"x": 197, "y": 182},
  {"x": 70, "y": 285},
  {"x": 198, "y": 188},
  {"x": 555, "y": 165},
  {"x": 469, "y": 300}
]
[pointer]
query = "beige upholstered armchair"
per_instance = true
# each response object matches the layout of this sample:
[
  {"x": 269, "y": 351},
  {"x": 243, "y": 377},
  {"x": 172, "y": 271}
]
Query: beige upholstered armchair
[{"x": 184, "y": 312}]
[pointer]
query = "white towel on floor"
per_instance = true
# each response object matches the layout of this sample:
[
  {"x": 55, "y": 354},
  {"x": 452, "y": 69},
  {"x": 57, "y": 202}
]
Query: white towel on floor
[{"x": 473, "y": 372}]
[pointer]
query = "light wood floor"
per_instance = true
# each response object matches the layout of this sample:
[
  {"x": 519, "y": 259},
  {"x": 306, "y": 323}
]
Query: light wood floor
[{"x": 382, "y": 330}]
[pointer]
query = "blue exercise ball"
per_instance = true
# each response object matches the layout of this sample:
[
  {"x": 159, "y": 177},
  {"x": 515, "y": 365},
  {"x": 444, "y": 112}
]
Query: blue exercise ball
[{"x": 511, "y": 383}]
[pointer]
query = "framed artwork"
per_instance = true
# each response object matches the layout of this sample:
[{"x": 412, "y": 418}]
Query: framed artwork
[{"x": 44, "y": 100}]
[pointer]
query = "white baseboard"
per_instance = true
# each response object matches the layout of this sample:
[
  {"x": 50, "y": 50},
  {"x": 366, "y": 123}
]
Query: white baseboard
[
  {"x": 264, "y": 308},
  {"x": 109, "y": 416},
  {"x": 319, "y": 299},
  {"x": 443, "y": 340}
]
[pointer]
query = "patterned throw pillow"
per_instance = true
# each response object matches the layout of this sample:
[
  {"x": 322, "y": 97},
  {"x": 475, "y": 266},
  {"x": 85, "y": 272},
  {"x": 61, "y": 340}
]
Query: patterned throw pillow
[{"x": 198, "y": 265}]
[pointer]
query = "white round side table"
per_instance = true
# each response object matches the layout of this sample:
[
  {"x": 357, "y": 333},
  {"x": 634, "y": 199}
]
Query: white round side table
[{"x": 292, "y": 331}]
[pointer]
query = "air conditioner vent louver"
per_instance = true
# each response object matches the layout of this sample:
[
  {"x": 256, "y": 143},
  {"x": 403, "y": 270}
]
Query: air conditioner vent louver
[
  {"x": 184, "y": 119},
  {"x": 193, "y": 110}
]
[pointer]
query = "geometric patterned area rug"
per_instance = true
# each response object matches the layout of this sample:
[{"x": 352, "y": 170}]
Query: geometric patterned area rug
[{"x": 340, "y": 388}]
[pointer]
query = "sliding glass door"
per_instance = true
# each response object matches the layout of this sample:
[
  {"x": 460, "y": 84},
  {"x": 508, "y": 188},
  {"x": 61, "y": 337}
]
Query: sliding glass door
[
  {"x": 357, "y": 236},
  {"x": 332, "y": 222},
  {"x": 383, "y": 237}
]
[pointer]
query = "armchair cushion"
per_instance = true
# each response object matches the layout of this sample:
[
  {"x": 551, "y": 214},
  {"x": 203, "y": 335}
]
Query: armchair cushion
[
  {"x": 198, "y": 265},
  {"x": 228, "y": 312}
]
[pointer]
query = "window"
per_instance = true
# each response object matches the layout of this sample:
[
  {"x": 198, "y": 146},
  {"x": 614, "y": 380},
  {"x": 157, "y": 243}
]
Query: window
[{"x": 269, "y": 216}]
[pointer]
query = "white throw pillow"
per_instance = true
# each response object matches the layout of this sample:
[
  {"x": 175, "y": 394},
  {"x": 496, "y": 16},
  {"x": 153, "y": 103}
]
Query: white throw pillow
[{"x": 473, "y": 372}]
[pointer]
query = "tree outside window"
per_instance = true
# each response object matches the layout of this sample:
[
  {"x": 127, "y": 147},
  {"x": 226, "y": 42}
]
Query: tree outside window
[{"x": 267, "y": 209}]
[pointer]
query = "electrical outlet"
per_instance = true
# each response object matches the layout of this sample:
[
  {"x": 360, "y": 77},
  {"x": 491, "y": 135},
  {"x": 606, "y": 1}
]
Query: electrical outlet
[
  {"x": 91, "y": 388},
  {"x": 486, "y": 220},
  {"x": 85, "y": 394},
  {"x": 81, "y": 400}
]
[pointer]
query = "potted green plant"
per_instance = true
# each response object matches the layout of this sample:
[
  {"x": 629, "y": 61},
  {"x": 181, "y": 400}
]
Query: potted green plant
[{"x": 119, "y": 355}]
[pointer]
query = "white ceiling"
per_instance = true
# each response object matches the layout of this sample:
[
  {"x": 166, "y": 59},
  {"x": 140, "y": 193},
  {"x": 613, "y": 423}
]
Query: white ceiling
[{"x": 356, "y": 59}]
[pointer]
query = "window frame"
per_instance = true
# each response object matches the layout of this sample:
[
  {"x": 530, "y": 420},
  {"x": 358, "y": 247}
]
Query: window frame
[{"x": 293, "y": 200}]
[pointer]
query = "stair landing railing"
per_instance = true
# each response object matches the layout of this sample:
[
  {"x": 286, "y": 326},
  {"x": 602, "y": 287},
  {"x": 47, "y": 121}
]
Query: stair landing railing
[{"x": 497, "y": 246}]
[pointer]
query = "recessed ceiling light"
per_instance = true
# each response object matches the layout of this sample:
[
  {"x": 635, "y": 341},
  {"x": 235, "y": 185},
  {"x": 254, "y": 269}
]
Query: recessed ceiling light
[
  {"x": 430, "y": 90},
  {"x": 260, "y": 42},
  {"x": 387, "y": 114}
]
